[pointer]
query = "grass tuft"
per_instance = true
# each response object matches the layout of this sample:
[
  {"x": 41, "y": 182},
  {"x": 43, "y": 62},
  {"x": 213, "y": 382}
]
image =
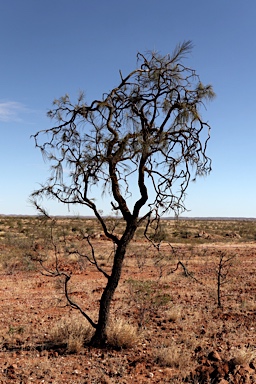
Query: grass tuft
[
  {"x": 243, "y": 356},
  {"x": 74, "y": 331},
  {"x": 173, "y": 314},
  {"x": 171, "y": 356},
  {"x": 121, "y": 334}
]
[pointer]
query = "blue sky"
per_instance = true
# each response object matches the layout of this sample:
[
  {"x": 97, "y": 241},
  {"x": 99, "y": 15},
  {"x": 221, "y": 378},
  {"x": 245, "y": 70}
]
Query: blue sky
[{"x": 53, "y": 47}]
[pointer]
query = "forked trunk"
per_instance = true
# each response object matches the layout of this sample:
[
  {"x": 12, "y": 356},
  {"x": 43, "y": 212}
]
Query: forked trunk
[{"x": 100, "y": 337}]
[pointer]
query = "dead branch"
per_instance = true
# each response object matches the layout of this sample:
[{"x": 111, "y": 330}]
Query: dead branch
[{"x": 186, "y": 272}]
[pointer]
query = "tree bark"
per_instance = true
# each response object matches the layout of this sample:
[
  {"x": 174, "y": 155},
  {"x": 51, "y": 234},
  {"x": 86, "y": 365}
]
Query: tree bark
[{"x": 100, "y": 337}]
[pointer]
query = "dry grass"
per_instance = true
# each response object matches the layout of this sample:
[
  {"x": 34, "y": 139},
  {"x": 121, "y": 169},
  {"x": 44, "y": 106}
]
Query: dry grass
[
  {"x": 243, "y": 356},
  {"x": 249, "y": 305},
  {"x": 73, "y": 331},
  {"x": 173, "y": 356},
  {"x": 122, "y": 334},
  {"x": 173, "y": 314}
]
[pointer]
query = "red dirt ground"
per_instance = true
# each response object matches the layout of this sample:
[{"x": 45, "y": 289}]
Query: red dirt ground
[{"x": 203, "y": 338}]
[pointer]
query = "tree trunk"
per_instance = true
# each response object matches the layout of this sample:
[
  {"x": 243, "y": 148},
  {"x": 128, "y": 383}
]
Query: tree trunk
[{"x": 100, "y": 337}]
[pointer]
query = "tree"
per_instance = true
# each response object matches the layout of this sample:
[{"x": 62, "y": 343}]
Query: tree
[
  {"x": 223, "y": 270},
  {"x": 150, "y": 128}
]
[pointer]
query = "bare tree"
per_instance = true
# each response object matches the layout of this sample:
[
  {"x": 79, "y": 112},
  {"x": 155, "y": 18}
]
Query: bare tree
[
  {"x": 145, "y": 138},
  {"x": 223, "y": 271}
]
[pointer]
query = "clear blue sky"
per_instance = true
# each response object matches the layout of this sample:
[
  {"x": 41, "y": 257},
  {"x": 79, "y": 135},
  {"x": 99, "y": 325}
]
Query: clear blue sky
[{"x": 53, "y": 47}]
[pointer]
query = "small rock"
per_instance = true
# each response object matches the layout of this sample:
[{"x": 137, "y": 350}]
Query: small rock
[{"x": 214, "y": 356}]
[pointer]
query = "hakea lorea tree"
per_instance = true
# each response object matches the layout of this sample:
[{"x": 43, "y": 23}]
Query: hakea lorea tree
[{"x": 146, "y": 138}]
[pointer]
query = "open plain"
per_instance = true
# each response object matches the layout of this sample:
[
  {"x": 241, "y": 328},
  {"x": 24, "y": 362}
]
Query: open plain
[{"x": 185, "y": 310}]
